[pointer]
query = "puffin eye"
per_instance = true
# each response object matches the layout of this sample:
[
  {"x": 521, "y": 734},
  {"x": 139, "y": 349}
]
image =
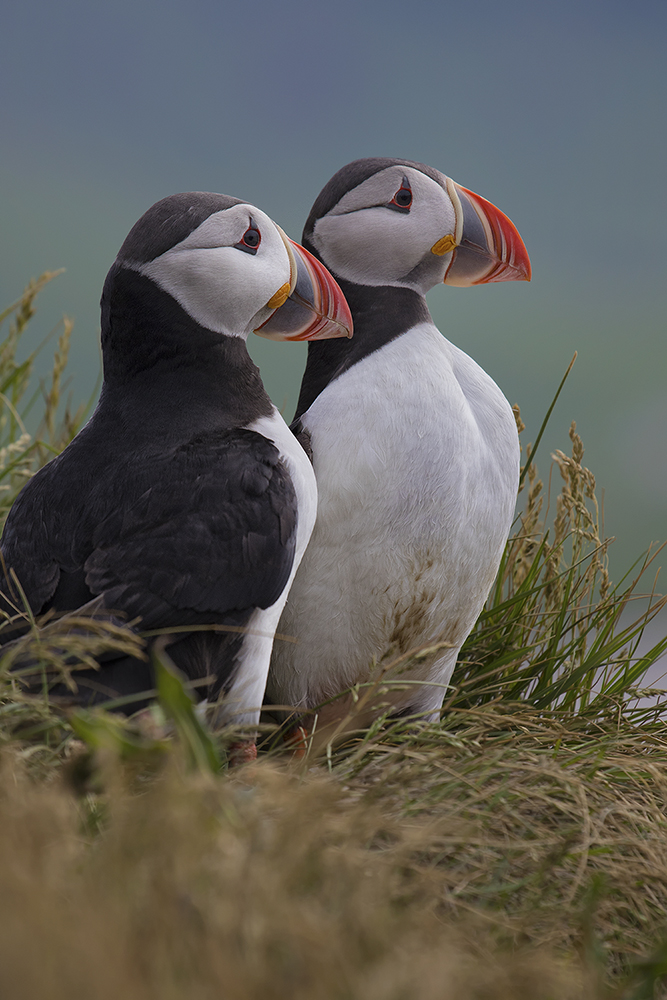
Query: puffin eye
[
  {"x": 250, "y": 239},
  {"x": 403, "y": 198}
]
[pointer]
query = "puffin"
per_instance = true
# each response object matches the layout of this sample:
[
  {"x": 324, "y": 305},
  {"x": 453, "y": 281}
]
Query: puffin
[
  {"x": 414, "y": 446},
  {"x": 185, "y": 501}
]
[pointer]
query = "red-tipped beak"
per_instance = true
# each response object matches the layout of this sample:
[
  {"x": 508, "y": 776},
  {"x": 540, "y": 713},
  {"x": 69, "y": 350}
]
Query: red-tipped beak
[
  {"x": 316, "y": 308},
  {"x": 488, "y": 245}
]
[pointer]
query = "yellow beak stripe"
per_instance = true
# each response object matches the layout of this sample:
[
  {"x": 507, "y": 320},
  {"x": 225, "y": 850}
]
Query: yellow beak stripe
[
  {"x": 444, "y": 245},
  {"x": 280, "y": 297}
]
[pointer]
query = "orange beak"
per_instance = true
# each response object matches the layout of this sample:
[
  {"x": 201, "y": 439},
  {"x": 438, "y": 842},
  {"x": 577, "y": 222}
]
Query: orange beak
[
  {"x": 314, "y": 307},
  {"x": 486, "y": 246}
]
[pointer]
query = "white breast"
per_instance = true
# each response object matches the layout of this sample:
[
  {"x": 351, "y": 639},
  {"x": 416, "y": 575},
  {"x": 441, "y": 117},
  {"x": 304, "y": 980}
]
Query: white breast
[
  {"x": 244, "y": 699},
  {"x": 417, "y": 461}
]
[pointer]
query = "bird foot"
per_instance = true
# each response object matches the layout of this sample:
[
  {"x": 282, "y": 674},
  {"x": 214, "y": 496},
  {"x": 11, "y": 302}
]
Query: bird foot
[{"x": 243, "y": 752}]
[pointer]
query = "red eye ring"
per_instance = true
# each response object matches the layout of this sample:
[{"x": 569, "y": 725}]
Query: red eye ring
[
  {"x": 251, "y": 238},
  {"x": 402, "y": 200}
]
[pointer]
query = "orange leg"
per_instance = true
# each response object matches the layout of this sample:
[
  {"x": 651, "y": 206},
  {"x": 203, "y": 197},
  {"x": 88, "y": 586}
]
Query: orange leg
[{"x": 297, "y": 741}]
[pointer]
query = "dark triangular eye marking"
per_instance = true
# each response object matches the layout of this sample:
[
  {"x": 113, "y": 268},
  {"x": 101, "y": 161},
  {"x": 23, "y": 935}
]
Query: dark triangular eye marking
[
  {"x": 250, "y": 240},
  {"x": 402, "y": 200}
]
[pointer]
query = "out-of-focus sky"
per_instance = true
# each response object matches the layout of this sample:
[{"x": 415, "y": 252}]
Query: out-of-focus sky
[{"x": 553, "y": 110}]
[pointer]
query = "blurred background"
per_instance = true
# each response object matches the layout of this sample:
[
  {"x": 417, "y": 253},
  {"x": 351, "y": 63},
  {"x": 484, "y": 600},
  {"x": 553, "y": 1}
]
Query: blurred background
[{"x": 555, "y": 111}]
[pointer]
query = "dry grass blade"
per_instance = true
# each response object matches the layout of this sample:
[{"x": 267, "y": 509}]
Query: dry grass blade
[
  {"x": 21, "y": 452},
  {"x": 552, "y": 633},
  {"x": 262, "y": 886}
]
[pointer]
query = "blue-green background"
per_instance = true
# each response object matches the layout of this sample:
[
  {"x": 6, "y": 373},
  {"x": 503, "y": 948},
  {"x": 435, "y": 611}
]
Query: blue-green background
[{"x": 555, "y": 111}]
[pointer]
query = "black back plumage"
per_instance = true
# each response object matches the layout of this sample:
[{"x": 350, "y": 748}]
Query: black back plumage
[{"x": 190, "y": 530}]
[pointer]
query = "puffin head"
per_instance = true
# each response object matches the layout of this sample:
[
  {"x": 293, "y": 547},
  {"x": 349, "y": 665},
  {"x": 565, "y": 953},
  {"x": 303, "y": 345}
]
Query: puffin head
[
  {"x": 395, "y": 222},
  {"x": 232, "y": 270}
]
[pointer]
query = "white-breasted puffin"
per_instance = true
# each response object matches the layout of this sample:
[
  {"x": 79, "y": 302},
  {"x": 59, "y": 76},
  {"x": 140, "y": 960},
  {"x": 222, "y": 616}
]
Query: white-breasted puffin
[
  {"x": 185, "y": 500},
  {"x": 414, "y": 446}
]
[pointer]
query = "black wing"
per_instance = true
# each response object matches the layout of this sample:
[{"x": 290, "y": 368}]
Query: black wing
[
  {"x": 303, "y": 437},
  {"x": 174, "y": 537}
]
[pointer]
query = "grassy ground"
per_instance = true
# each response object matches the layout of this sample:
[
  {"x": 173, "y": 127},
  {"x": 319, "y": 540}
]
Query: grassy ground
[{"x": 515, "y": 850}]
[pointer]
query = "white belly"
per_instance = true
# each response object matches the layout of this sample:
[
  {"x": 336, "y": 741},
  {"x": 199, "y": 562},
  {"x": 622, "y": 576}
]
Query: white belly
[
  {"x": 244, "y": 699},
  {"x": 417, "y": 461}
]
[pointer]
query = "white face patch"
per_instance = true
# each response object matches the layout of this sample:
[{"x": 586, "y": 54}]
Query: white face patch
[
  {"x": 223, "y": 288},
  {"x": 364, "y": 241}
]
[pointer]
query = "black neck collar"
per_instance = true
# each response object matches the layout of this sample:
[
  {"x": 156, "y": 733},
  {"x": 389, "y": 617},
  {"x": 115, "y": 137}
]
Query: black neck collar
[
  {"x": 157, "y": 357},
  {"x": 380, "y": 315}
]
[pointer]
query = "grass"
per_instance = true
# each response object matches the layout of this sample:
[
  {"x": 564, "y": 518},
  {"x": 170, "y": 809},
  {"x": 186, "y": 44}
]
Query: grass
[
  {"x": 21, "y": 453},
  {"x": 517, "y": 849}
]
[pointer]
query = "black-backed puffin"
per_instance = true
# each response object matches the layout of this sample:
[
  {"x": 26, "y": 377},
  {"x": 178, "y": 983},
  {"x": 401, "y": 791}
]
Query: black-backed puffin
[
  {"x": 415, "y": 448},
  {"x": 185, "y": 500}
]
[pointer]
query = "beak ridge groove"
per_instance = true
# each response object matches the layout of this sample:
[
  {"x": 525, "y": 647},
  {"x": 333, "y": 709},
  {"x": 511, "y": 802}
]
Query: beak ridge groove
[
  {"x": 315, "y": 308},
  {"x": 490, "y": 248}
]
